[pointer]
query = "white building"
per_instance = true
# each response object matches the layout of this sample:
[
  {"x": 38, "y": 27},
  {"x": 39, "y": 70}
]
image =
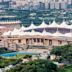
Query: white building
[
  {"x": 53, "y": 3},
  {"x": 18, "y": 3},
  {"x": 59, "y": 3}
]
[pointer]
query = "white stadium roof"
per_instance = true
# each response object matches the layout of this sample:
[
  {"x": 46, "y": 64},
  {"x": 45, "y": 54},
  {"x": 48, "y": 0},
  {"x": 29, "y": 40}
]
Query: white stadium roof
[
  {"x": 20, "y": 32},
  {"x": 7, "y": 33},
  {"x": 46, "y": 33},
  {"x": 43, "y": 25},
  {"x": 32, "y": 26},
  {"x": 15, "y": 32},
  {"x": 57, "y": 33},
  {"x": 53, "y": 25},
  {"x": 63, "y": 25},
  {"x": 70, "y": 26},
  {"x": 22, "y": 28},
  {"x": 34, "y": 33},
  {"x": 68, "y": 35}
]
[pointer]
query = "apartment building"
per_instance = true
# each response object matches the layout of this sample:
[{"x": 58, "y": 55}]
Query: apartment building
[{"x": 48, "y": 3}]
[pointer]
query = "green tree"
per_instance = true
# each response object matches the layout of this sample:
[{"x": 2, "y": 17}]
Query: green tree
[
  {"x": 27, "y": 56},
  {"x": 36, "y": 66},
  {"x": 5, "y": 50},
  {"x": 65, "y": 53}
]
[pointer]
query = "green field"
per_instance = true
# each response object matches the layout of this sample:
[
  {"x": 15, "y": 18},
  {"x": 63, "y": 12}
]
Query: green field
[{"x": 68, "y": 69}]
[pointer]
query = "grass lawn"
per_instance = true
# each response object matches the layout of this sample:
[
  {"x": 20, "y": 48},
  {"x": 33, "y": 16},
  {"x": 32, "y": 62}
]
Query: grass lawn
[
  {"x": 5, "y": 62},
  {"x": 68, "y": 69}
]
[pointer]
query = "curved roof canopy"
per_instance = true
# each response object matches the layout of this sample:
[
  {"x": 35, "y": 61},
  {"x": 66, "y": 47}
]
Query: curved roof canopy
[
  {"x": 32, "y": 26},
  {"x": 27, "y": 33},
  {"x": 68, "y": 35},
  {"x": 7, "y": 33},
  {"x": 22, "y": 28},
  {"x": 46, "y": 33},
  {"x": 34, "y": 33},
  {"x": 58, "y": 34},
  {"x": 63, "y": 25},
  {"x": 21, "y": 33},
  {"x": 43, "y": 25},
  {"x": 53, "y": 25},
  {"x": 24, "y": 33},
  {"x": 15, "y": 32},
  {"x": 70, "y": 26}
]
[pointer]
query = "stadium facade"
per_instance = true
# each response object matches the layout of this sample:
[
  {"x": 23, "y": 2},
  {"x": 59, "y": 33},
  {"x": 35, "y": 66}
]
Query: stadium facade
[{"x": 42, "y": 36}]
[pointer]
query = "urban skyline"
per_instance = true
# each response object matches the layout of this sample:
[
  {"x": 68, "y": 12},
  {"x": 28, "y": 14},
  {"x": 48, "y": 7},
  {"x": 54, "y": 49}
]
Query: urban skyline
[{"x": 36, "y": 4}]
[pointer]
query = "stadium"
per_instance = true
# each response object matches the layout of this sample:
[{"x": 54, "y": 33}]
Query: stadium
[{"x": 42, "y": 36}]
